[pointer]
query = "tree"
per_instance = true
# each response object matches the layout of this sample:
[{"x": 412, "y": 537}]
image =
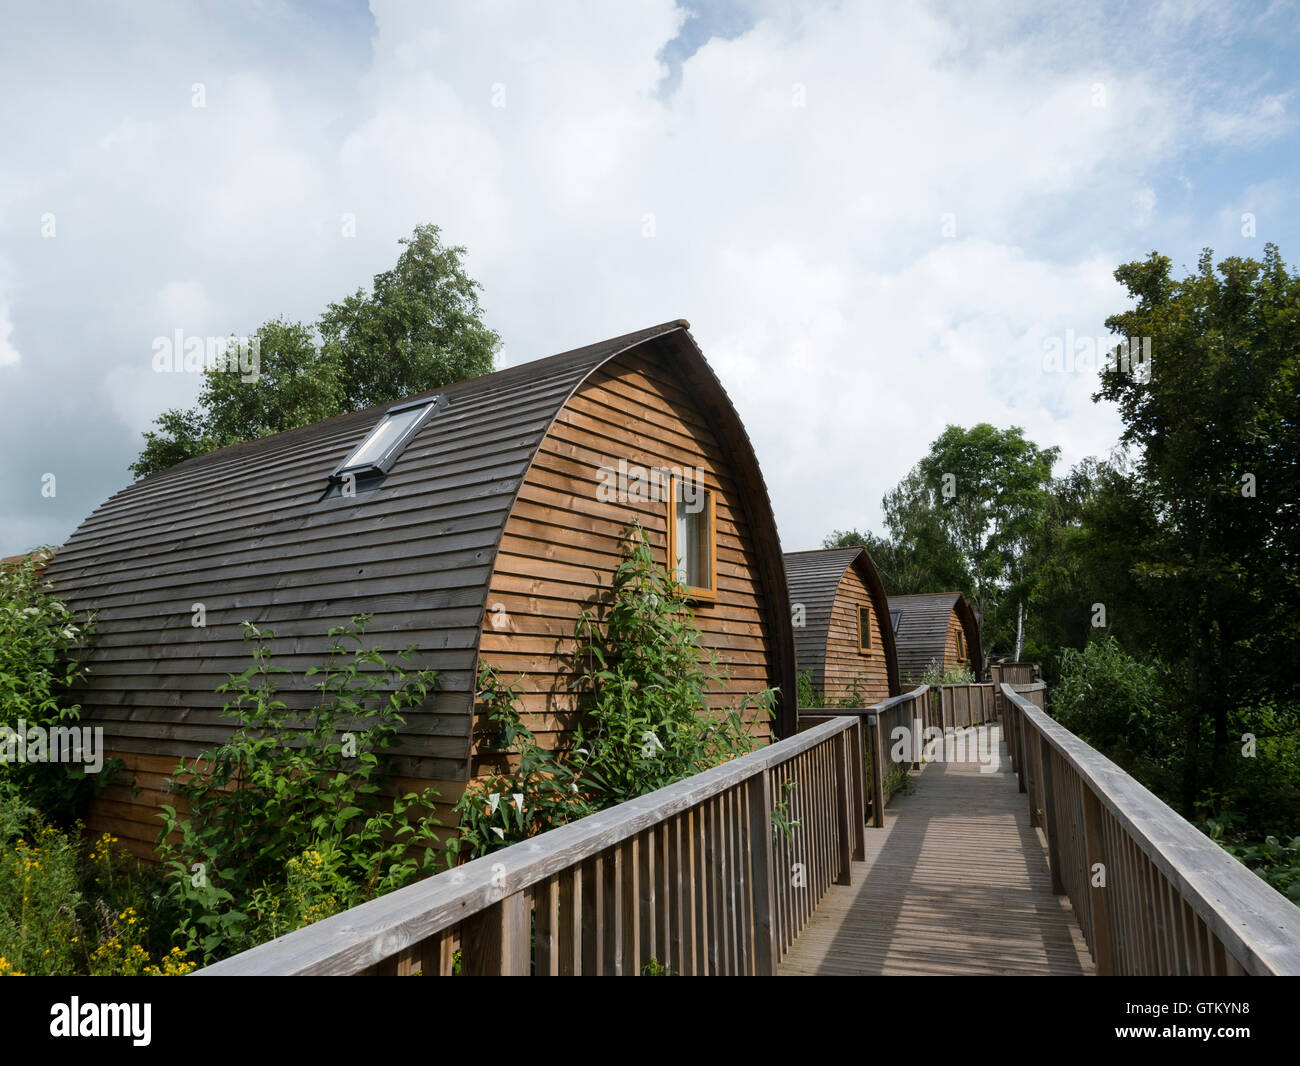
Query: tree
[
  {"x": 1214, "y": 421},
  {"x": 295, "y": 386},
  {"x": 992, "y": 491},
  {"x": 418, "y": 329}
]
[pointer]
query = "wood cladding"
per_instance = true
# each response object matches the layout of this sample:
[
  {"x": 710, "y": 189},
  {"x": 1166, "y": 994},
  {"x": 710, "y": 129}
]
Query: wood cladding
[
  {"x": 828, "y": 588},
  {"x": 845, "y": 665},
  {"x": 565, "y": 539},
  {"x": 475, "y": 515},
  {"x": 927, "y": 633}
]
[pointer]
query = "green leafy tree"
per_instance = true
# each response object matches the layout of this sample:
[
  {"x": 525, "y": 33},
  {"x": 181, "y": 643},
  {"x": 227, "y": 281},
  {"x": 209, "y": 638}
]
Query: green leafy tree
[
  {"x": 41, "y": 663},
  {"x": 288, "y": 820},
  {"x": 991, "y": 487},
  {"x": 419, "y": 328},
  {"x": 1214, "y": 424},
  {"x": 918, "y": 555}
]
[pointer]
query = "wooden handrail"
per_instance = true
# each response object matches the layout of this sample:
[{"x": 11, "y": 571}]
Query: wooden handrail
[
  {"x": 940, "y": 707},
  {"x": 1152, "y": 893},
  {"x": 692, "y": 876}
]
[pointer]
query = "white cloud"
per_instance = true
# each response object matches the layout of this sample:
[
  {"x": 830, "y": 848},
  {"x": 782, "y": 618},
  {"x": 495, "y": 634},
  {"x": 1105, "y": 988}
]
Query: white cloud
[
  {"x": 799, "y": 229},
  {"x": 9, "y": 355},
  {"x": 1258, "y": 122}
]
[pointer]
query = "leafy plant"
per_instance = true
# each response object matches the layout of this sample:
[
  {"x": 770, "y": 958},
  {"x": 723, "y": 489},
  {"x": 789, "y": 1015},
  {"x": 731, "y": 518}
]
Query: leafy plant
[
  {"x": 287, "y": 790},
  {"x": 71, "y": 905},
  {"x": 539, "y": 793},
  {"x": 782, "y": 823},
  {"x": 649, "y": 722},
  {"x": 41, "y": 646},
  {"x": 935, "y": 674}
]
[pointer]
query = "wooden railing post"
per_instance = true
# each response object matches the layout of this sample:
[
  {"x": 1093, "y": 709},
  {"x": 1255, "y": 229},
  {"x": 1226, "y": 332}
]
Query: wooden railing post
[
  {"x": 1029, "y": 780},
  {"x": 843, "y": 808},
  {"x": 877, "y": 772},
  {"x": 916, "y": 727},
  {"x": 766, "y": 950},
  {"x": 1051, "y": 819},
  {"x": 1019, "y": 715},
  {"x": 496, "y": 942},
  {"x": 1098, "y": 896},
  {"x": 857, "y": 782}
]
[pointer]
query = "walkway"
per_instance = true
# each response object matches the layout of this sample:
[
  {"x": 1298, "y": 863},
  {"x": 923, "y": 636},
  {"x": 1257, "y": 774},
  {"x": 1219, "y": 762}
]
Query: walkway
[{"x": 955, "y": 883}]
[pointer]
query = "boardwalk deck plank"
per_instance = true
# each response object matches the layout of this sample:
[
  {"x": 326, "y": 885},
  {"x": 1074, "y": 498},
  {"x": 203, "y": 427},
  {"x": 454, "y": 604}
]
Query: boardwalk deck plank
[{"x": 955, "y": 883}]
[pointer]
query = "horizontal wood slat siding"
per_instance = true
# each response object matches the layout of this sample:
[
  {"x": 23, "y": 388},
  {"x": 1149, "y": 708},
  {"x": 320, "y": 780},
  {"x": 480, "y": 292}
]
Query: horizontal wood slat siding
[
  {"x": 826, "y": 589},
  {"x": 562, "y": 544},
  {"x": 927, "y": 632},
  {"x": 245, "y": 532},
  {"x": 845, "y": 663}
]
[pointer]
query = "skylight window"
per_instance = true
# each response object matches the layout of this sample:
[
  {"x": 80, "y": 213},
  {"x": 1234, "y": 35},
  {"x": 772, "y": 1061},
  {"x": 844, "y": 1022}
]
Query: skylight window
[
  {"x": 375, "y": 456},
  {"x": 894, "y": 618}
]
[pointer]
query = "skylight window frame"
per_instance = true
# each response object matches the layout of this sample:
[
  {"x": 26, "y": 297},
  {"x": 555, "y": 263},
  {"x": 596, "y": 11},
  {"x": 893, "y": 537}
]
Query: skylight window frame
[{"x": 390, "y": 455}]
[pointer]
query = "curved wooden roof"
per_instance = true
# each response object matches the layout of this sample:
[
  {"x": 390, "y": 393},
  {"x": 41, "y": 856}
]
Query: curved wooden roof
[
  {"x": 923, "y": 630},
  {"x": 245, "y": 532},
  {"x": 814, "y": 578}
]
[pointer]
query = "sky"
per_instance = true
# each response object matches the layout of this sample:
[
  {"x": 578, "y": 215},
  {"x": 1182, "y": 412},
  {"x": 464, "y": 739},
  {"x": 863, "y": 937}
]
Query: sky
[{"x": 877, "y": 217}]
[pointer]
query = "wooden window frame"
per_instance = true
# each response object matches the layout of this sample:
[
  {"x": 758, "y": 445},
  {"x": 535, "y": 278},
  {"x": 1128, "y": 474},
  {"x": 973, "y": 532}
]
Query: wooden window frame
[
  {"x": 692, "y": 591},
  {"x": 864, "y": 649},
  {"x": 961, "y": 645}
]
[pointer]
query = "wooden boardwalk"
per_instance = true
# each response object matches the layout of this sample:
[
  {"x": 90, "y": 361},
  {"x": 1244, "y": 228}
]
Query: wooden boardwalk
[{"x": 955, "y": 883}]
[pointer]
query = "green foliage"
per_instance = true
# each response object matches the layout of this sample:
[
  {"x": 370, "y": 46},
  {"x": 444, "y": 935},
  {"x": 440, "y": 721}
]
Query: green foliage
[
  {"x": 537, "y": 792},
  {"x": 1214, "y": 429},
  {"x": 647, "y": 722},
  {"x": 287, "y": 820},
  {"x": 1121, "y": 705},
  {"x": 897, "y": 779},
  {"x": 810, "y": 696},
  {"x": 41, "y": 646},
  {"x": 72, "y": 906},
  {"x": 935, "y": 674},
  {"x": 419, "y": 328},
  {"x": 813, "y": 698},
  {"x": 782, "y": 823},
  {"x": 997, "y": 500},
  {"x": 1276, "y": 861}
]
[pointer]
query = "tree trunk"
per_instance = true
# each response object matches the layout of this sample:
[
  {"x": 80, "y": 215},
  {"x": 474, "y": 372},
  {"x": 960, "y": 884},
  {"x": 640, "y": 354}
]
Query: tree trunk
[
  {"x": 1192, "y": 719},
  {"x": 1020, "y": 628}
]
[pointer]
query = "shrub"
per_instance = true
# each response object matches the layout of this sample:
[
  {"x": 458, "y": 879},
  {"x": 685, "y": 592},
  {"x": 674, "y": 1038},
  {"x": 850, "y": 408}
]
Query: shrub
[
  {"x": 539, "y": 793},
  {"x": 41, "y": 641},
  {"x": 286, "y": 789},
  {"x": 1122, "y": 706},
  {"x": 647, "y": 722},
  {"x": 70, "y": 906},
  {"x": 935, "y": 674}
]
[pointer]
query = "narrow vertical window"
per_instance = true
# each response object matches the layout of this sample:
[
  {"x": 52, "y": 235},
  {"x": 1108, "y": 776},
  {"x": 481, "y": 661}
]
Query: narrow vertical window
[
  {"x": 961, "y": 645},
  {"x": 692, "y": 538},
  {"x": 864, "y": 630}
]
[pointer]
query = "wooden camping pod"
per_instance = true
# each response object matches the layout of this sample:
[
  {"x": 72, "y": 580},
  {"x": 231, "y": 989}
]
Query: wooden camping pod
[
  {"x": 484, "y": 541},
  {"x": 935, "y": 628},
  {"x": 841, "y": 624}
]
